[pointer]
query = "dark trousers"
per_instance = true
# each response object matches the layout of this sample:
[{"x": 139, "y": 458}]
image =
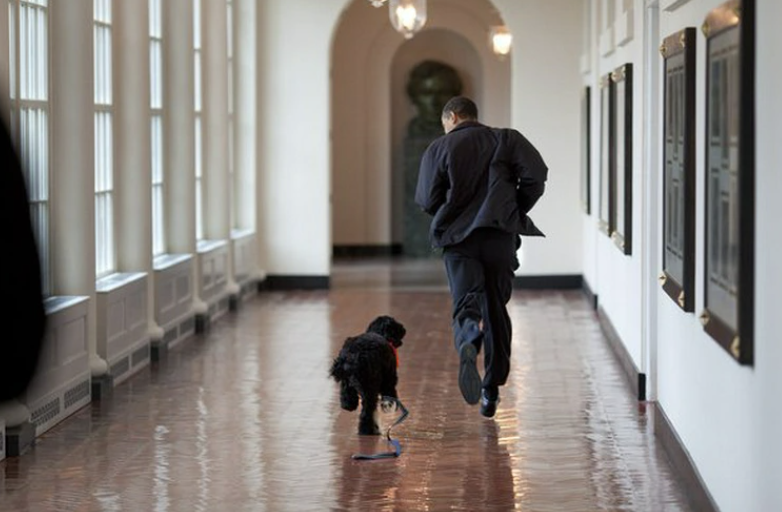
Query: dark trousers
[{"x": 480, "y": 275}]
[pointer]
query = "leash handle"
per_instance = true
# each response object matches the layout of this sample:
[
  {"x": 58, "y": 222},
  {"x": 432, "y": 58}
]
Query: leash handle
[{"x": 393, "y": 442}]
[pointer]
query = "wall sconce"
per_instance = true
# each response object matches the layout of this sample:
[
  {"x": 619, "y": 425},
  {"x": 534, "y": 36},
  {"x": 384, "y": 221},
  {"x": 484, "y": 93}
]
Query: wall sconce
[
  {"x": 501, "y": 40},
  {"x": 377, "y": 3},
  {"x": 407, "y": 16}
]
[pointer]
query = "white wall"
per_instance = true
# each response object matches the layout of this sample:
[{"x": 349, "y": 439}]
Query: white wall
[
  {"x": 767, "y": 424},
  {"x": 545, "y": 106},
  {"x": 293, "y": 154},
  {"x": 726, "y": 414},
  {"x": 614, "y": 276},
  {"x": 589, "y": 69}
]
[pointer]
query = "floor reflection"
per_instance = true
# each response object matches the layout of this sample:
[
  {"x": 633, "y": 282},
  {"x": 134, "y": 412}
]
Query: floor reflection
[{"x": 246, "y": 419}]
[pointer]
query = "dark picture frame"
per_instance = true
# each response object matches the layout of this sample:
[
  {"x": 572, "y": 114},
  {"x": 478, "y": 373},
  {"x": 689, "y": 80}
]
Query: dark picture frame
[
  {"x": 729, "y": 250},
  {"x": 607, "y": 162},
  {"x": 678, "y": 251},
  {"x": 622, "y": 126},
  {"x": 586, "y": 151}
]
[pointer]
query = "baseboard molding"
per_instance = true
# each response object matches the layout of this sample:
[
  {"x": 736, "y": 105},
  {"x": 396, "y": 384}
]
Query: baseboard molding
[
  {"x": 275, "y": 283},
  {"x": 366, "y": 251},
  {"x": 590, "y": 295},
  {"x": 636, "y": 379},
  {"x": 549, "y": 282},
  {"x": 688, "y": 476}
]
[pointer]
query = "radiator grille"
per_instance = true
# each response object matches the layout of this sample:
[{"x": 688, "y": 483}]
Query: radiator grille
[
  {"x": 46, "y": 412},
  {"x": 77, "y": 393},
  {"x": 223, "y": 305},
  {"x": 187, "y": 327},
  {"x": 170, "y": 335},
  {"x": 140, "y": 355},
  {"x": 120, "y": 367}
]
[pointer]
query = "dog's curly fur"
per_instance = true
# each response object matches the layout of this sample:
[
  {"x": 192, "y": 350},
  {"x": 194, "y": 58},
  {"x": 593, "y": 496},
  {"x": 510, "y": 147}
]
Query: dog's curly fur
[{"x": 366, "y": 368}]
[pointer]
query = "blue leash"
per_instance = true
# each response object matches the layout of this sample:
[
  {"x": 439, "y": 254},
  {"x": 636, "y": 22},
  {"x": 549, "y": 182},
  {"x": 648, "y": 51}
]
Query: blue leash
[{"x": 388, "y": 402}]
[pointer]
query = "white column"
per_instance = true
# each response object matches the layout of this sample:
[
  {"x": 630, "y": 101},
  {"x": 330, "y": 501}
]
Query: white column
[
  {"x": 179, "y": 132},
  {"x": 73, "y": 170},
  {"x": 217, "y": 213},
  {"x": 245, "y": 112},
  {"x": 215, "y": 111},
  {"x": 264, "y": 69},
  {"x": 650, "y": 257},
  {"x": 132, "y": 146}
]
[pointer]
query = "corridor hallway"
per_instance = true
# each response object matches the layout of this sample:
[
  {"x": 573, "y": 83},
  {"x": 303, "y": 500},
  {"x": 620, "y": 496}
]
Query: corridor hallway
[{"x": 245, "y": 419}]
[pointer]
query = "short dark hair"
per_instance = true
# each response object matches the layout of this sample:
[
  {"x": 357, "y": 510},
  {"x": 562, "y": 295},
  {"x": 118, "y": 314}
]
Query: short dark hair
[{"x": 462, "y": 106}]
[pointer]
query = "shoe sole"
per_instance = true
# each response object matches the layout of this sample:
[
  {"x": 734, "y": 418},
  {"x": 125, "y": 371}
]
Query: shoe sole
[{"x": 469, "y": 379}]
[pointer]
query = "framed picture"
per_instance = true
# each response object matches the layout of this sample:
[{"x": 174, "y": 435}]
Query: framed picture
[
  {"x": 728, "y": 316},
  {"x": 586, "y": 143},
  {"x": 622, "y": 168},
  {"x": 678, "y": 259},
  {"x": 606, "y": 155}
]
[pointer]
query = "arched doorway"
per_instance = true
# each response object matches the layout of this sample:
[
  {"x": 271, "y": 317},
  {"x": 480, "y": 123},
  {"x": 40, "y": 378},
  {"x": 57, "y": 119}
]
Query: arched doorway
[{"x": 369, "y": 109}]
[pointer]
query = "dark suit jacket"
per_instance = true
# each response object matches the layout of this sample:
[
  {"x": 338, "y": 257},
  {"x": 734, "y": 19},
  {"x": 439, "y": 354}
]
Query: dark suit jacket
[
  {"x": 23, "y": 329},
  {"x": 477, "y": 176}
]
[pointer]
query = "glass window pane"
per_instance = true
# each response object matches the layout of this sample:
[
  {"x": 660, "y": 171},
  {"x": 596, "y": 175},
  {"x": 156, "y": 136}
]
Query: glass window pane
[
  {"x": 156, "y": 74},
  {"x": 197, "y": 80},
  {"x": 196, "y": 24},
  {"x": 155, "y": 18}
]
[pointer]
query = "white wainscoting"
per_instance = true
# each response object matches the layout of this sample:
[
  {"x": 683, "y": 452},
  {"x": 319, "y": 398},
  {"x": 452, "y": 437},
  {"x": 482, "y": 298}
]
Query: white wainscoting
[
  {"x": 174, "y": 297},
  {"x": 122, "y": 338},
  {"x": 62, "y": 383},
  {"x": 213, "y": 264},
  {"x": 244, "y": 256}
]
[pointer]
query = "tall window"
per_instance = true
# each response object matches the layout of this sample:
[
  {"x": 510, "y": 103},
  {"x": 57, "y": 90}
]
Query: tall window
[
  {"x": 198, "y": 126},
  {"x": 232, "y": 182},
  {"x": 29, "y": 94},
  {"x": 156, "y": 109},
  {"x": 105, "y": 260}
]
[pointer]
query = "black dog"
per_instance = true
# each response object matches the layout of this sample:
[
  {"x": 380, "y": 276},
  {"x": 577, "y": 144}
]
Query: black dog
[{"x": 366, "y": 366}]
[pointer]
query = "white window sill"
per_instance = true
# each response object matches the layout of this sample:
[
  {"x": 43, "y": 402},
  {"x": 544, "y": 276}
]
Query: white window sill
[
  {"x": 238, "y": 234},
  {"x": 114, "y": 281},
  {"x": 165, "y": 261},
  {"x": 58, "y": 303},
  {"x": 206, "y": 246}
]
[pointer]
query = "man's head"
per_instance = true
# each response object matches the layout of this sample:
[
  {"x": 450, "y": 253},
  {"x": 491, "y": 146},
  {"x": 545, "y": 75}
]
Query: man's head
[{"x": 458, "y": 110}]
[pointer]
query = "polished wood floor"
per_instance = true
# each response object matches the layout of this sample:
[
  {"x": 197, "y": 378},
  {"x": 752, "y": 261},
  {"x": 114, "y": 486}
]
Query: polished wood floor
[{"x": 245, "y": 418}]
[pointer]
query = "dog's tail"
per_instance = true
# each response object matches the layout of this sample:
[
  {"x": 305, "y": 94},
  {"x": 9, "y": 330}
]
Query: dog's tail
[{"x": 341, "y": 371}]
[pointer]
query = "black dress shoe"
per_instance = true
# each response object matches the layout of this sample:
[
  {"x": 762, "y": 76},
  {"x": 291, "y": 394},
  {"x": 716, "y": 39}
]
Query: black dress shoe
[
  {"x": 488, "y": 405},
  {"x": 469, "y": 378}
]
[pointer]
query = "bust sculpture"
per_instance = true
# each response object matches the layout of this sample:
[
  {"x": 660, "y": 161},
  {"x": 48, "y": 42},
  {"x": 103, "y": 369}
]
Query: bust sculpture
[
  {"x": 431, "y": 85},
  {"x": 429, "y": 88}
]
